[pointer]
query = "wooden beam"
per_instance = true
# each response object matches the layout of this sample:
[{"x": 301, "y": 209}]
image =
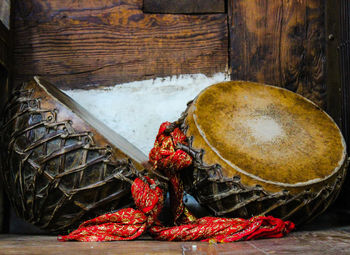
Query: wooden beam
[
  {"x": 77, "y": 44},
  {"x": 184, "y": 6}
]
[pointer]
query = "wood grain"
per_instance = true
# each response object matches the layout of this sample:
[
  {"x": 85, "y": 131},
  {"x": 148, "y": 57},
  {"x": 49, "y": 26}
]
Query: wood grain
[
  {"x": 334, "y": 92},
  {"x": 5, "y": 60},
  {"x": 76, "y": 44},
  {"x": 280, "y": 42},
  {"x": 5, "y": 45},
  {"x": 5, "y": 6},
  {"x": 2, "y": 209},
  {"x": 338, "y": 76},
  {"x": 184, "y": 6}
]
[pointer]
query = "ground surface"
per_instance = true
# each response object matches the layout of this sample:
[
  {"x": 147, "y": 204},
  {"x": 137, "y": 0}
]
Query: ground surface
[
  {"x": 328, "y": 234},
  {"x": 331, "y": 241}
]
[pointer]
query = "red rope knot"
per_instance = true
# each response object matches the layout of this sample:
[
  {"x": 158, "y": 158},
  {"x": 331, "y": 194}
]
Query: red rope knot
[
  {"x": 128, "y": 224},
  {"x": 125, "y": 224},
  {"x": 169, "y": 160},
  {"x": 164, "y": 156}
]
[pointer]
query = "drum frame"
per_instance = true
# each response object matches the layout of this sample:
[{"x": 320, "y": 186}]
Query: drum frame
[
  {"x": 48, "y": 158},
  {"x": 229, "y": 197}
]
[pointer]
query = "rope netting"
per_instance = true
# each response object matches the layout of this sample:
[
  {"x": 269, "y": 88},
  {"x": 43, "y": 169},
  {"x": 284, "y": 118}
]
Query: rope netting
[{"x": 128, "y": 224}]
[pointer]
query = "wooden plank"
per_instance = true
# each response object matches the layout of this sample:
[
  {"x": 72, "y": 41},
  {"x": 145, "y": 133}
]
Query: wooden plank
[
  {"x": 5, "y": 35},
  {"x": 77, "y": 44},
  {"x": 5, "y": 87},
  {"x": 334, "y": 96},
  {"x": 6, "y": 61},
  {"x": 338, "y": 59},
  {"x": 5, "y": 55},
  {"x": 344, "y": 54},
  {"x": 2, "y": 211},
  {"x": 184, "y": 6},
  {"x": 280, "y": 42},
  {"x": 5, "y": 6}
]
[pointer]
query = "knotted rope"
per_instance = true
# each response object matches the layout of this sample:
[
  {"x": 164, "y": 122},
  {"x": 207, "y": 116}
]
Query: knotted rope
[{"x": 129, "y": 223}]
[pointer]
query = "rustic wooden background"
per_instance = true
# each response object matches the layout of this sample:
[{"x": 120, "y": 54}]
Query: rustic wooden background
[
  {"x": 280, "y": 42},
  {"x": 88, "y": 43},
  {"x": 85, "y": 43},
  {"x": 5, "y": 74}
]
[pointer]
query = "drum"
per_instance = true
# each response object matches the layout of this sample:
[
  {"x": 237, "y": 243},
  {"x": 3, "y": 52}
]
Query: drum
[
  {"x": 262, "y": 150},
  {"x": 60, "y": 165}
]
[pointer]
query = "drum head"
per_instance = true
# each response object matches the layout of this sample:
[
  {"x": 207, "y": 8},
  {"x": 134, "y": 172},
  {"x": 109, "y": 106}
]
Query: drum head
[{"x": 268, "y": 133}]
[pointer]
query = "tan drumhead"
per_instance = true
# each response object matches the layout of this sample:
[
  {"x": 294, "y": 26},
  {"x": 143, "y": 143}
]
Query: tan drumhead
[{"x": 268, "y": 133}]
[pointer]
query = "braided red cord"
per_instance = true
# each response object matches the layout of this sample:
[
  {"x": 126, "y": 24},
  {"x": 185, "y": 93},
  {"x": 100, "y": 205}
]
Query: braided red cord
[{"x": 128, "y": 224}]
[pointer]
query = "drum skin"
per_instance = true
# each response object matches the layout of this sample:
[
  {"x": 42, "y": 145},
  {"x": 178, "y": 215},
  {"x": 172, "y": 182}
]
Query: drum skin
[
  {"x": 262, "y": 150},
  {"x": 58, "y": 169}
]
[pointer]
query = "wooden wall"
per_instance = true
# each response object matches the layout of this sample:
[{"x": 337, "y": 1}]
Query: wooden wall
[
  {"x": 280, "y": 42},
  {"x": 82, "y": 43},
  {"x": 77, "y": 44},
  {"x": 92, "y": 43},
  {"x": 5, "y": 87}
]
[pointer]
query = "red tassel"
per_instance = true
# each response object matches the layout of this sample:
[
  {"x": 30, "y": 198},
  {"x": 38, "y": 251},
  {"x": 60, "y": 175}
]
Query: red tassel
[{"x": 128, "y": 224}]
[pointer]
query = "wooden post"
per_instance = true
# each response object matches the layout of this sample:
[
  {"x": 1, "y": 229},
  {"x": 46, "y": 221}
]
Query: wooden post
[
  {"x": 280, "y": 42},
  {"x": 344, "y": 55},
  {"x": 5, "y": 49},
  {"x": 338, "y": 70},
  {"x": 334, "y": 93},
  {"x": 5, "y": 88}
]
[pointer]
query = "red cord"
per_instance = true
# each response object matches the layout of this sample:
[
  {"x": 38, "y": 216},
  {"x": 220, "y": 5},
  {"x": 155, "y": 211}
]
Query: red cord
[{"x": 128, "y": 224}]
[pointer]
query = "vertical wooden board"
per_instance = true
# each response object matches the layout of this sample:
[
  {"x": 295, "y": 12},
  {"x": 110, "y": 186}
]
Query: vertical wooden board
[
  {"x": 334, "y": 95},
  {"x": 1, "y": 211},
  {"x": 344, "y": 54},
  {"x": 6, "y": 44},
  {"x": 5, "y": 60},
  {"x": 92, "y": 43},
  {"x": 280, "y": 42},
  {"x": 254, "y": 39},
  {"x": 4, "y": 212},
  {"x": 303, "y": 49},
  {"x": 338, "y": 60},
  {"x": 5, "y": 6}
]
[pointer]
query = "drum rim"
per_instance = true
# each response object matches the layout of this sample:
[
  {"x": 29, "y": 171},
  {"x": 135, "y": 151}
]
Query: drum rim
[{"x": 339, "y": 166}]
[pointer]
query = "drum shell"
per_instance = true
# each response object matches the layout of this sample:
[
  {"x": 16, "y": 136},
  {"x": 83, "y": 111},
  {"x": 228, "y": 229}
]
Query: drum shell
[
  {"x": 57, "y": 169},
  {"x": 245, "y": 196}
]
